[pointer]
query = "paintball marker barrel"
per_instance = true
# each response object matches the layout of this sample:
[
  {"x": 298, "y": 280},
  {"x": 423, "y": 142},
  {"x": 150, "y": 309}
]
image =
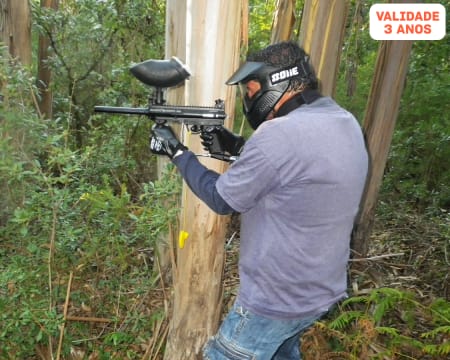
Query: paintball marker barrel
[
  {"x": 189, "y": 115},
  {"x": 162, "y": 74}
]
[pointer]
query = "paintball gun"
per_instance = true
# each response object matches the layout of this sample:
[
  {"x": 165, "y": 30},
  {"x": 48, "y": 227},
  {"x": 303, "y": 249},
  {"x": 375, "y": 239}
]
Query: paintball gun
[{"x": 162, "y": 74}]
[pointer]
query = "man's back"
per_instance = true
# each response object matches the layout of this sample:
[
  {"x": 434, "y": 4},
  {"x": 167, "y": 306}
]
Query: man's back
[{"x": 298, "y": 185}]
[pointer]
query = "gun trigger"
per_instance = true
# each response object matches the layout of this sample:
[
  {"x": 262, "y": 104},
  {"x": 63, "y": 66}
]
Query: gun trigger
[
  {"x": 195, "y": 129},
  {"x": 182, "y": 237}
]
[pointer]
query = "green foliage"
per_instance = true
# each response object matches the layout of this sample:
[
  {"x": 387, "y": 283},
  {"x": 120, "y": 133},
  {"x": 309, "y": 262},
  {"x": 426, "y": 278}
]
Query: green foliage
[
  {"x": 419, "y": 163},
  {"x": 64, "y": 223},
  {"x": 260, "y": 17},
  {"x": 92, "y": 45},
  {"x": 385, "y": 323},
  {"x": 418, "y": 169},
  {"x": 357, "y": 61},
  {"x": 80, "y": 194},
  {"x": 261, "y": 14}
]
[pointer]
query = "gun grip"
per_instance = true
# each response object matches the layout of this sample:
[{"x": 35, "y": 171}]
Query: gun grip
[{"x": 216, "y": 146}]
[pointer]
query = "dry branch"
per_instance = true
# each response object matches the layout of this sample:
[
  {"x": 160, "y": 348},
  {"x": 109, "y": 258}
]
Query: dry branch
[{"x": 66, "y": 308}]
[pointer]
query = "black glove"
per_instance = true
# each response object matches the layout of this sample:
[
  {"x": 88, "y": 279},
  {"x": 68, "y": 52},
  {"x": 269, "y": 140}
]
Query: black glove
[
  {"x": 219, "y": 140},
  {"x": 164, "y": 142}
]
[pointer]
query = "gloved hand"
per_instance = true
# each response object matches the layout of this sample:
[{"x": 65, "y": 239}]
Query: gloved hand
[
  {"x": 219, "y": 140},
  {"x": 164, "y": 142}
]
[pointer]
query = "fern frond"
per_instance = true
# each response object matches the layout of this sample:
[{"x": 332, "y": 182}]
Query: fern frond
[
  {"x": 441, "y": 349},
  {"x": 441, "y": 310},
  {"x": 394, "y": 295},
  {"x": 381, "y": 308},
  {"x": 356, "y": 300},
  {"x": 437, "y": 331},
  {"x": 345, "y": 319},
  {"x": 387, "y": 331},
  {"x": 386, "y": 299},
  {"x": 332, "y": 333}
]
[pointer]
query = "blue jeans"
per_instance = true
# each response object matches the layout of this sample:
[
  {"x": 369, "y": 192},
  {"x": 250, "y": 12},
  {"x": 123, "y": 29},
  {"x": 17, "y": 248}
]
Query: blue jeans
[{"x": 246, "y": 336}]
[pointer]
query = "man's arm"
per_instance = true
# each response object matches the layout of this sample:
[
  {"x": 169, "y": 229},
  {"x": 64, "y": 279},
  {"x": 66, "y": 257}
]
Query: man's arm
[
  {"x": 202, "y": 182},
  {"x": 200, "y": 179}
]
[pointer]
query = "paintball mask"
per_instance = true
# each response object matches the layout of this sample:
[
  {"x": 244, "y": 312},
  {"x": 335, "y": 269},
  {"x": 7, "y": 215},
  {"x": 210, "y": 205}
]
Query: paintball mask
[{"x": 274, "y": 80}]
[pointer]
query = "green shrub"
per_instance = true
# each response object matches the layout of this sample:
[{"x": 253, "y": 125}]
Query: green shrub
[{"x": 67, "y": 210}]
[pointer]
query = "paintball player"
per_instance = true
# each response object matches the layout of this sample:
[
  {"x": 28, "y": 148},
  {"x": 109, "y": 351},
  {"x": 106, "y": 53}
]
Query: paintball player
[{"x": 297, "y": 184}]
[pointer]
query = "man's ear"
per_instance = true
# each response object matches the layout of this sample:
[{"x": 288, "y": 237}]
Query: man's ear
[{"x": 286, "y": 96}]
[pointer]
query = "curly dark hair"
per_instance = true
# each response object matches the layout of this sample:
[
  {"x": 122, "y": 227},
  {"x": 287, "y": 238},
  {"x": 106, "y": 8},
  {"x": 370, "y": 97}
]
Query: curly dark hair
[{"x": 285, "y": 54}]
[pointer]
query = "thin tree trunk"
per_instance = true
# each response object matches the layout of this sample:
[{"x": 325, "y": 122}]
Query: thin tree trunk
[
  {"x": 212, "y": 52},
  {"x": 352, "y": 59},
  {"x": 379, "y": 123},
  {"x": 175, "y": 46},
  {"x": 44, "y": 73},
  {"x": 15, "y": 29},
  {"x": 321, "y": 35},
  {"x": 283, "y": 21}
]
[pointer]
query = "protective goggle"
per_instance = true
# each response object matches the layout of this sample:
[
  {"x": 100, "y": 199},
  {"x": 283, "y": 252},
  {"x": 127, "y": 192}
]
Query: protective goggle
[{"x": 249, "y": 91}]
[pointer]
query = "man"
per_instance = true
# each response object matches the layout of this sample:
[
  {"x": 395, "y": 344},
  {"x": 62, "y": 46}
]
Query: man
[{"x": 297, "y": 184}]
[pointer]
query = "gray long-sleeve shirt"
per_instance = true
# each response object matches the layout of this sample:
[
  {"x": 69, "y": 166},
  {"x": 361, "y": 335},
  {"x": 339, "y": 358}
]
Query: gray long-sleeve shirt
[{"x": 297, "y": 185}]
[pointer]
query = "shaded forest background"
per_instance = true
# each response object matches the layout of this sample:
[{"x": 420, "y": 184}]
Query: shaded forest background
[{"x": 81, "y": 207}]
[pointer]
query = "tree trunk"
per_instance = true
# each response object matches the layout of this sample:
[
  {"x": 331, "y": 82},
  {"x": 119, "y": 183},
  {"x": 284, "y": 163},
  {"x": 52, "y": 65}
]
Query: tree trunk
[
  {"x": 15, "y": 29},
  {"x": 379, "y": 123},
  {"x": 212, "y": 53},
  {"x": 175, "y": 46},
  {"x": 44, "y": 73},
  {"x": 321, "y": 36},
  {"x": 352, "y": 60},
  {"x": 283, "y": 21}
]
